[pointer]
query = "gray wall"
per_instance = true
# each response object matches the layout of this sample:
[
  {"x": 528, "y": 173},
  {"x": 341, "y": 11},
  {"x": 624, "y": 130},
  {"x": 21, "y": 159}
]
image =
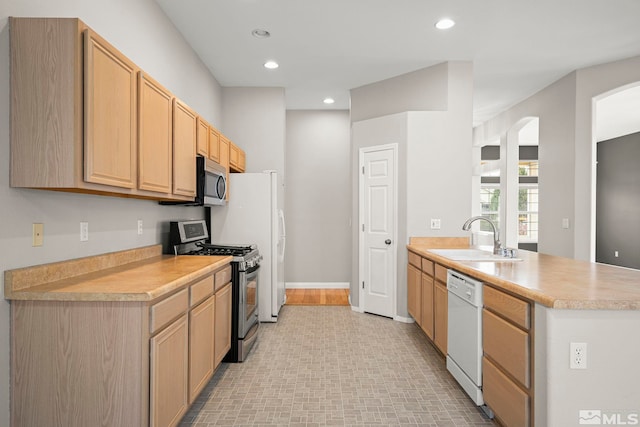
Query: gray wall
[
  {"x": 434, "y": 162},
  {"x": 141, "y": 31},
  {"x": 618, "y": 201},
  {"x": 564, "y": 109},
  {"x": 318, "y": 197}
]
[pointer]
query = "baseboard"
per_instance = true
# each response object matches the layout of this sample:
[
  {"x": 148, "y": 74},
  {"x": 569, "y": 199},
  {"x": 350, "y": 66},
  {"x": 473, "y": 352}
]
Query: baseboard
[
  {"x": 403, "y": 319},
  {"x": 317, "y": 285},
  {"x": 357, "y": 309}
]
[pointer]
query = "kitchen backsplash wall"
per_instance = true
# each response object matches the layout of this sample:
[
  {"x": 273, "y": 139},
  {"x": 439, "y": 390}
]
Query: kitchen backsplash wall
[{"x": 140, "y": 30}]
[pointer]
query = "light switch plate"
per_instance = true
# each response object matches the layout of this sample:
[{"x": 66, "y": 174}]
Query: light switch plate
[
  {"x": 435, "y": 223},
  {"x": 139, "y": 227},
  {"x": 84, "y": 231},
  {"x": 565, "y": 223}
]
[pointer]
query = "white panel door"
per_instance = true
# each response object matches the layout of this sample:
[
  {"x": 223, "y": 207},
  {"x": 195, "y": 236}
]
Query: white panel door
[{"x": 378, "y": 228}]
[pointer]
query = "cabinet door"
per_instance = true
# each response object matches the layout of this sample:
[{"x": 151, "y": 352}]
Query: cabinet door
[
  {"x": 214, "y": 144},
  {"x": 201, "y": 350},
  {"x": 202, "y": 141},
  {"x": 110, "y": 114},
  {"x": 155, "y": 155},
  {"x": 427, "y": 305},
  {"x": 242, "y": 163},
  {"x": 169, "y": 374},
  {"x": 184, "y": 150},
  {"x": 440, "y": 309},
  {"x": 223, "y": 323},
  {"x": 414, "y": 293},
  {"x": 234, "y": 156}
]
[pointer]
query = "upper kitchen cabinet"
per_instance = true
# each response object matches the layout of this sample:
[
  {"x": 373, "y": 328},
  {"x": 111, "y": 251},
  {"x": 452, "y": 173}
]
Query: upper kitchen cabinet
[
  {"x": 155, "y": 150},
  {"x": 75, "y": 124},
  {"x": 184, "y": 149},
  {"x": 202, "y": 138},
  {"x": 110, "y": 114},
  {"x": 236, "y": 158},
  {"x": 214, "y": 144}
]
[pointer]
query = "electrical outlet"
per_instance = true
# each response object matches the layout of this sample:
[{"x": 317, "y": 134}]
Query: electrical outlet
[
  {"x": 38, "y": 234},
  {"x": 565, "y": 223},
  {"x": 435, "y": 224},
  {"x": 139, "y": 227},
  {"x": 616, "y": 254},
  {"x": 578, "y": 355},
  {"x": 84, "y": 231}
]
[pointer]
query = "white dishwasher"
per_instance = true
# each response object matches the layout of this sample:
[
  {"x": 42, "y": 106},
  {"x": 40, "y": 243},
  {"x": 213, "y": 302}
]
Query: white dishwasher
[{"x": 464, "y": 333}]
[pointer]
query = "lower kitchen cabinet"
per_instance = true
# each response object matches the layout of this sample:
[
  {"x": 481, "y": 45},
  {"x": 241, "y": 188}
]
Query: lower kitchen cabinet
[
  {"x": 117, "y": 363},
  {"x": 222, "y": 323},
  {"x": 414, "y": 293},
  {"x": 507, "y": 341},
  {"x": 169, "y": 374},
  {"x": 201, "y": 346},
  {"x": 427, "y": 298},
  {"x": 440, "y": 299}
]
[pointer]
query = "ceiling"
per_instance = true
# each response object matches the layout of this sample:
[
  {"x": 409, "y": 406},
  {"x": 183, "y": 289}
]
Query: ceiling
[{"x": 327, "y": 47}]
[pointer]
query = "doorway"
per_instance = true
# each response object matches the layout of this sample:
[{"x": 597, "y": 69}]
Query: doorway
[{"x": 378, "y": 207}]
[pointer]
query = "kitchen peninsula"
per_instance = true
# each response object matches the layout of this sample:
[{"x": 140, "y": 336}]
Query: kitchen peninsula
[
  {"x": 125, "y": 338},
  {"x": 550, "y": 302}
]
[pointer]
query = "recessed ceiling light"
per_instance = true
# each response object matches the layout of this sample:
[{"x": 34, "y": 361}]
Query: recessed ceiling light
[
  {"x": 260, "y": 33},
  {"x": 445, "y": 24},
  {"x": 272, "y": 65},
  {"x": 329, "y": 100}
]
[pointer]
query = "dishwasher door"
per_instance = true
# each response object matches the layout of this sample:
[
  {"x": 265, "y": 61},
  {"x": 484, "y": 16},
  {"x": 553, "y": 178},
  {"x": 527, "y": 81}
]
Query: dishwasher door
[{"x": 464, "y": 333}]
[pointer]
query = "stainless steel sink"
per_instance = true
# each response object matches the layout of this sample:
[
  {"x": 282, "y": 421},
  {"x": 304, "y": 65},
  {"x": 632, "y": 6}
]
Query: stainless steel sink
[{"x": 472, "y": 255}]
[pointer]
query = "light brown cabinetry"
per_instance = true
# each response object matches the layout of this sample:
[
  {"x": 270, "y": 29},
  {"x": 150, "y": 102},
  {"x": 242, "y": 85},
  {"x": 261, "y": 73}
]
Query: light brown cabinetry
[
  {"x": 222, "y": 323},
  {"x": 202, "y": 138},
  {"x": 155, "y": 124},
  {"x": 427, "y": 298},
  {"x": 237, "y": 158},
  {"x": 75, "y": 120},
  {"x": 507, "y": 341},
  {"x": 116, "y": 363},
  {"x": 169, "y": 374},
  {"x": 224, "y": 159},
  {"x": 214, "y": 144},
  {"x": 184, "y": 149},
  {"x": 109, "y": 114},
  {"x": 440, "y": 308},
  {"x": 201, "y": 346},
  {"x": 414, "y": 293}
]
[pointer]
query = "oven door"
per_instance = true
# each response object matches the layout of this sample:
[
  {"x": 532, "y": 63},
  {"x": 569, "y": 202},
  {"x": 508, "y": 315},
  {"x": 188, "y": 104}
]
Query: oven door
[{"x": 248, "y": 310}]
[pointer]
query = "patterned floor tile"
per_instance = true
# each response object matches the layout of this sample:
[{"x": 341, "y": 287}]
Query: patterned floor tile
[{"x": 331, "y": 366}]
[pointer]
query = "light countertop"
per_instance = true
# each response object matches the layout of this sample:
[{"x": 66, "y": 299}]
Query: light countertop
[
  {"x": 552, "y": 281},
  {"x": 141, "y": 274}
]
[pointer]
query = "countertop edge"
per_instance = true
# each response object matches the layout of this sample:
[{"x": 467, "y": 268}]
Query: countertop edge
[
  {"x": 523, "y": 292},
  {"x": 36, "y": 294}
]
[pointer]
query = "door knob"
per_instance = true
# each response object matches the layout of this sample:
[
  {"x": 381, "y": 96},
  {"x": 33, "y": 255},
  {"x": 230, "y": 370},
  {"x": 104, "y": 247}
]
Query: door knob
[{"x": 388, "y": 241}]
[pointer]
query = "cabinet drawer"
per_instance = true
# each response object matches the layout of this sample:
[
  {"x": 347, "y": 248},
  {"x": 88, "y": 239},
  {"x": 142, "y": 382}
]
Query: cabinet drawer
[
  {"x": 223, "y": 277},
  {"x": 441, "y": 273},
  {"x": 510, "y": 404},
  {"x": 510, "y": 307},
  {"x": 507, "y": 345},
  {"x": 168, "y": 309},
  {"x": 201, "y": 290},
  {"x": 414, "y": 259},
  {"x": 427, "y": 266}
]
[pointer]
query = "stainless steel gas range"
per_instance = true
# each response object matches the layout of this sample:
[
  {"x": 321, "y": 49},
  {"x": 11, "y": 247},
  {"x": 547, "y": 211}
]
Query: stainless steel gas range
[{"x": 190, "y": 238}]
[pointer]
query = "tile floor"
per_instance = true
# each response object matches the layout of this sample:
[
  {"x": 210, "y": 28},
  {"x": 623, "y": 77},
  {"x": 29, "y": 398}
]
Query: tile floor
[{"x": 328, "y": 365}]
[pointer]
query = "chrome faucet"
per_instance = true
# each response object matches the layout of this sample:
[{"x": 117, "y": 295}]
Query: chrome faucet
[{"x": 497, "y": 246}]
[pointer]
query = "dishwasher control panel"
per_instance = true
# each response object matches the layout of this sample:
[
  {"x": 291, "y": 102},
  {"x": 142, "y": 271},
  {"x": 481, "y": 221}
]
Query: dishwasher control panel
[{"x": 465, "y": 287}]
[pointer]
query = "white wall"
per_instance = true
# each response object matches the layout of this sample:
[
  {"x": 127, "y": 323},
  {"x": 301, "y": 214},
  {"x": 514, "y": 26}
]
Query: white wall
[
  {"x": 318, "y": 197},
  {"x": 141, "y": 31},
  {"x": 610, "y": 382}
]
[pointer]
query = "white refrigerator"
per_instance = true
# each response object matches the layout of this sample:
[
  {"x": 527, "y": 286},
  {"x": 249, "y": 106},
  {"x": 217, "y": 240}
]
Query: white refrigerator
[{"x": 251, "y": 216}]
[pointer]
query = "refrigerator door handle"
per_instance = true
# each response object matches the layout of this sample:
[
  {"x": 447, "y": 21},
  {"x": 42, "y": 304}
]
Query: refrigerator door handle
[{"x": 283, "y": 234}]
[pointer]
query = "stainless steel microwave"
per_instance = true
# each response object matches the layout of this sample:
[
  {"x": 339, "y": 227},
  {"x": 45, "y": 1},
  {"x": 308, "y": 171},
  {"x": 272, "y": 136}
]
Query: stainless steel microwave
[{"x": 211, "y": 185}]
